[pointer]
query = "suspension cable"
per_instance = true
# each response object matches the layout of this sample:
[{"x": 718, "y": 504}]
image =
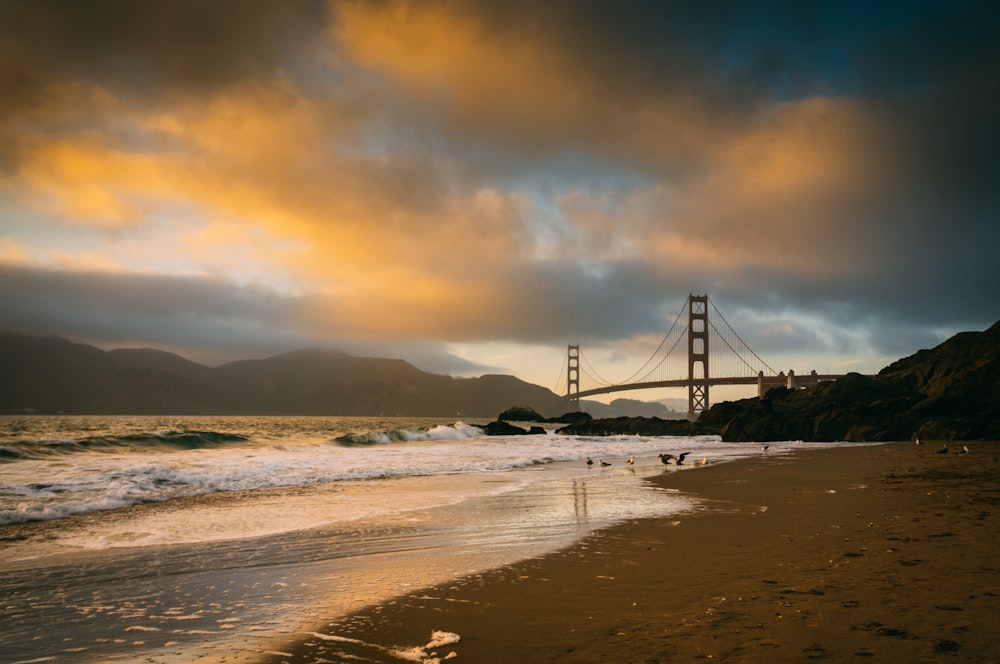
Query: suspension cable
[
  {"x": 745, "y": 344},
  {"x": 665, "y": 357},
  {"x": 562, "y": 375},
  {"x": 596, "y": 377},
  {"x": 658, "y": 348}
]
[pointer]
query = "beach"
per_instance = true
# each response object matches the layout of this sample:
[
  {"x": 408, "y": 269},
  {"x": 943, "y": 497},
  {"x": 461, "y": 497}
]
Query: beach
[
  {"x": 885, "y": 552},
  {"x": 181, "y": 539}
]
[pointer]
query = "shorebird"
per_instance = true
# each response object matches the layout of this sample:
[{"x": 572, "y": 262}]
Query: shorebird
[
  {"x": 590, "y": 462},
  {"x": 704, "y": 461},
  {"x": 764, "y": 448},
  {"x": 631, "y": 461},
  {"x": 604, "y": 463},
  {"x": 918, "y": 442},
  {"x": 965, "y": 449},
  {"x": 943, "y": 450}
]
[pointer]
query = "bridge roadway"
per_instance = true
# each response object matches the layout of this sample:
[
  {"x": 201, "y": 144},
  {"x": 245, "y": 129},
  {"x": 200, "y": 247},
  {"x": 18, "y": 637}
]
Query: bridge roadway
[{"x": 763, "y": 383}]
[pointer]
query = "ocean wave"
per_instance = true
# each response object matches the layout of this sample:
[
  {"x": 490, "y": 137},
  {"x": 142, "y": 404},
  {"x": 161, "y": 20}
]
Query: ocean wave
[
  {"x": 12, "y": 454},
  {"x": 181, "y": 440},
  {"x": 457, "y": 431}
]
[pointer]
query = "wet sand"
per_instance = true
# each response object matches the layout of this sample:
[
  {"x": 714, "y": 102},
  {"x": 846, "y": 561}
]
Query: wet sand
[{"x": 888, "y": 553}]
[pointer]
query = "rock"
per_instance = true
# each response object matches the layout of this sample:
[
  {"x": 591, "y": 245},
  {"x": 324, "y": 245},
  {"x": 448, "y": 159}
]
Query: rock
[
  {"x": 571, "y": 418},
  {"x": 635, "y": 426},
  {"x": 520, "y": 414},
  {"x": 499, "y": 428}
]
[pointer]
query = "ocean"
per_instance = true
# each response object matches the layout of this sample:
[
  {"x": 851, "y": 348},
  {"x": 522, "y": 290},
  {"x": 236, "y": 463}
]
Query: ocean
[{"x": 177, "y": 539}]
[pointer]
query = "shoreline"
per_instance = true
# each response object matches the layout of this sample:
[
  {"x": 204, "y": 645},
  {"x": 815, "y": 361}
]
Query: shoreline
[{"x": 885, "y": 552}]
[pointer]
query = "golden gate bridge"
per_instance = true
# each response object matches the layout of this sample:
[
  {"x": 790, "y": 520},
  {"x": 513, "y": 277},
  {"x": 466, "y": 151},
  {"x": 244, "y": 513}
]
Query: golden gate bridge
[{"x": 683, "y": 360}]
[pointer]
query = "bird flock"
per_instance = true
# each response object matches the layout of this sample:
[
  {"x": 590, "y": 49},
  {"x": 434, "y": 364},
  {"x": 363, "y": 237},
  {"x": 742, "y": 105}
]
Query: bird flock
[
  {"x": 667, "y": 459},
  {"x": 678, "y": 459},
  {"x": 944, "y": 448}
]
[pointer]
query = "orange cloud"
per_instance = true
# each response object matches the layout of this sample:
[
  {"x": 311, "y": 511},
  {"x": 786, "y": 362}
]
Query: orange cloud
[
  {"x": 84, "y": 180},
  {"x": 272, "y": 182},
  {"x": 504, "y": 74},
  {"x": 792, "y": 194},
  {"x": 806, "y": 148}
]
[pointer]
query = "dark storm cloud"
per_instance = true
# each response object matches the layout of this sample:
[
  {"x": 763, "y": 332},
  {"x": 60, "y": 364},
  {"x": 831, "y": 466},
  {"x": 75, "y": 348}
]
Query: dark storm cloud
[
  {"x": 147, "y": 48},
  {"x": 122, "y": 307}
]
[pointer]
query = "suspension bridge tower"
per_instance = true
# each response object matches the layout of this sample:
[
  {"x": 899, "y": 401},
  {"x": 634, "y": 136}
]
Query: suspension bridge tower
[
  {"x": 573, "y": 377},
  {"x": 697, "y": 355}
]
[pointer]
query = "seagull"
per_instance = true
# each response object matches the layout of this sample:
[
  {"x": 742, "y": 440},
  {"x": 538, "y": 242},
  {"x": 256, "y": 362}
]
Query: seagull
[
  {"x": 590, "y": 462},
  {"x": 943, "y": 450},
  {"x": 965, "y": 449},
  {"x": 764, "y": 448},
  {"x": 631, "y": 461},
  {"x": 604, "y": 463},
  {"x": 918, "y": 442},
  {"x": 665, "y": 458},
  {"x": 704, "y": 461},
  {"x": 680, "y": 459}
]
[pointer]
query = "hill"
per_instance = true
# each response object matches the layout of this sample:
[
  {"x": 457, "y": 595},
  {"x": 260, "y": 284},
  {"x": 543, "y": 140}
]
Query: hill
[{"x": 54, "y": 375}]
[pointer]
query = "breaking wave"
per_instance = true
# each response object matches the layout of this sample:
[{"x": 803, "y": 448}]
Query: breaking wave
[
  {"x": 152, "y": 442},
  {"x": 457, "y": 431}
]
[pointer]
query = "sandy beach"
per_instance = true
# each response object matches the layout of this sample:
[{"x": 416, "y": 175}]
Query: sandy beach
[{"x": 885, "y": 552}]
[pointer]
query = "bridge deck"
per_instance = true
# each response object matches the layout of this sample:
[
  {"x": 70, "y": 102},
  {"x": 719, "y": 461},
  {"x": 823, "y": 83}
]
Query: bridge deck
[{"x": 765, "y": 381}]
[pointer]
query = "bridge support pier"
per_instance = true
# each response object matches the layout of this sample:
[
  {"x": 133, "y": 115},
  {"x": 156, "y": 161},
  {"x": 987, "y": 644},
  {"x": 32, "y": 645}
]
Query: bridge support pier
[{"x": 792, "y": 382}]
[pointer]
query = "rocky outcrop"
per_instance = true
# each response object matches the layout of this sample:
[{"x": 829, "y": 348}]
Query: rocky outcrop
[
  {"x": 571, "y": 418},
  {"x": 634, "y": 426},
  {"x": 527, "y": 414},
  {"x": 503, "y": 427},
  {"x": 520, "y": 414}
]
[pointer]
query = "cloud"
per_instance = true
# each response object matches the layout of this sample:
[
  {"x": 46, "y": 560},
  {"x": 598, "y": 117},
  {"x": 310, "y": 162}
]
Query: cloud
[
  {"x": 156, "y": 49},
  {"x": 485, "y": 173},
  {"x": 206, "y": 319}
]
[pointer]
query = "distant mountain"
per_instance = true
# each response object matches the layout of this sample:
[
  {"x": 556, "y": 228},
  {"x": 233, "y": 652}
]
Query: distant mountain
[
  {"x": 54, "y": 375},
  {"x": 633, "y": 408}
]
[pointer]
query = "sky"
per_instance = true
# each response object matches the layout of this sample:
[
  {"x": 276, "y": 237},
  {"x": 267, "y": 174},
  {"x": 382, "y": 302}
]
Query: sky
[{"x": 472, "y": 185}]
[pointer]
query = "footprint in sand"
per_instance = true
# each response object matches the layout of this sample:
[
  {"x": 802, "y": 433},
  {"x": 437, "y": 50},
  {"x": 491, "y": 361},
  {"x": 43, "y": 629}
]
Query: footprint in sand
[{"x": 815, "y": 651}]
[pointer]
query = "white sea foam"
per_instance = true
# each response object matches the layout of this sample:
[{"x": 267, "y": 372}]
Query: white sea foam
[{"x": 421, "y": 654}]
